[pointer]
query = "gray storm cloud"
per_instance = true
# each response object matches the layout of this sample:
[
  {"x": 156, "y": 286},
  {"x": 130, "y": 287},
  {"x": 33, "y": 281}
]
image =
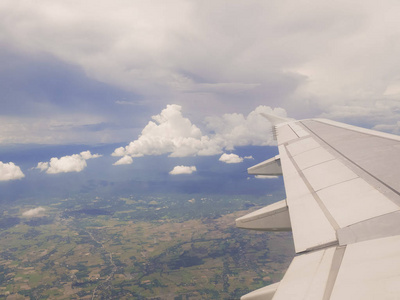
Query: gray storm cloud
[{"x": 311, "y": 58}]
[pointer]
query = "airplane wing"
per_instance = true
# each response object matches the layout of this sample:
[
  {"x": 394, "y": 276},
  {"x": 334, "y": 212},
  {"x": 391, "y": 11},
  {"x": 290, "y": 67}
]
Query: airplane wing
[{"x": 343, "y": 206}]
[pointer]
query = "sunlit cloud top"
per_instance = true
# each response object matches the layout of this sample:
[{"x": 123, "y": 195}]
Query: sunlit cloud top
[
  {"x": 231, "y": 158},
  {"x": 177, "y": 170},
  {"x": 9, "y": 171},
  {"x": 170, "y": 132},
  {"x": 66, "y": 164}
]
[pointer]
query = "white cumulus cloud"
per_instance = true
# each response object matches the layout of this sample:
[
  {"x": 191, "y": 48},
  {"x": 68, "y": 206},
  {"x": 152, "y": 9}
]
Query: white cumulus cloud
[
  {"x": 125, "y": 160},
  {"x": 231, "y": 158},
  {"x": 171, "y": 132},
  {"x": 33, "y": 212},
  {"x": 42, "y": 166},
  {"x": 183, "y": 170},
  {"x": 239, "y": 130},
  {"x": 66, "y": 164},
  {"x": 9, "y": 171},
  {"x": 87, "y": 155}
]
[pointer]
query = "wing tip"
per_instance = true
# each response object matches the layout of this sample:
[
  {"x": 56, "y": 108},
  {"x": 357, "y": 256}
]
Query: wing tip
[{"x": 274, "y": 119}]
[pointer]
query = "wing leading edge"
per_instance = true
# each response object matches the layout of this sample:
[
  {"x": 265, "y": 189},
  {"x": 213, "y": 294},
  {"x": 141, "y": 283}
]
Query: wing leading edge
[{"x": 343, "y": 207}]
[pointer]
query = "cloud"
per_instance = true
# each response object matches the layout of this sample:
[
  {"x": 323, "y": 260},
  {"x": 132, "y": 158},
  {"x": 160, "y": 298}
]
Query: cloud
[
  {"x": 9, "y": 171},
  {"x": 33, "y": 212},
  {"x": 183, "y": 170},
  {"x": 236, "y": 129},
  {"x": 391, "y": 128},
  {"x": 87, "y": 155},
  {"x": 377, "y": 112},
  {"x": 42, "y": 166},
  {"x": 125, "y": 160},
  {"x": 231, "y": 158},
  {"x": 66, "y": 164},
  {"x": 265, "y": 177},
  {"x": 64, "y": 129},
  {"x": 170, "y": 132},
  {"x": 309, "y": 60}
]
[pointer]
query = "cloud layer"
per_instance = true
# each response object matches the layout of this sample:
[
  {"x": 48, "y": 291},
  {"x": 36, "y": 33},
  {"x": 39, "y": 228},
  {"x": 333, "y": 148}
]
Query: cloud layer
[
  {"x": 170, "y": 132},
  {"x": 177, "y": 170},
  {"x": 66, "y": 164},
  {"x": 9, "y": 171},
  {"x": 308, "y": 57}
]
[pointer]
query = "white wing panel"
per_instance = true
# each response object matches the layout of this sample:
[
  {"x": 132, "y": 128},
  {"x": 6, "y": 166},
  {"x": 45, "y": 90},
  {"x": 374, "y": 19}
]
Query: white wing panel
[
  {"x": 285, "y": 134},
  {"x": 301, "y": 146},
  {"x": 375, "y": 156},
  {"x": 294, "y": 184},
  {"x": 320, "y": 280},
  {"x": 360, "y": 129},
  {"x": 300, "y": 132},
  {"x": 370, "y": 270},
  {"x": 306, "y": 277},
  {"x": 354, "y": 201},
  {"x": 311, "y": 228},
  {"x": 312, "y": 157},
  {"x": 327, "y": 174},
  {"x": 265, "y": 293}
]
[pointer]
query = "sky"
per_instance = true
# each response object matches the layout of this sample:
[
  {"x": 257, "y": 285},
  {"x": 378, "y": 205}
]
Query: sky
[{"x": 185, "y": 79}]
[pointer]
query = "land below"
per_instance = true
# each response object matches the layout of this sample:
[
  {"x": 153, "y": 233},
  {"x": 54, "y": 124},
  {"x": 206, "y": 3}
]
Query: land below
[{"x": 138, "y": 247}]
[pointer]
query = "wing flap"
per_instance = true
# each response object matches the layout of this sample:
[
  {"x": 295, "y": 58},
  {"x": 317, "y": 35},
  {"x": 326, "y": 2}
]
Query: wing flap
[
  {"x": 265, "y": 293},
  {"x": 274, "y": 217},
  {"x": 311, "y": 227},
  {"x": 369, "y": 270},
  {"x": 271, "y": 167},
  {"x": 354, "y": 201},
  {"x": 312, "y": 230},
  {"x": 307, "y": 276}
]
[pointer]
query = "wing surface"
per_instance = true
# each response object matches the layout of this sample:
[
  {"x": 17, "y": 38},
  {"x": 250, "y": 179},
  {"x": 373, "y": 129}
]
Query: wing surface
[{"x": 343, "y": 205}]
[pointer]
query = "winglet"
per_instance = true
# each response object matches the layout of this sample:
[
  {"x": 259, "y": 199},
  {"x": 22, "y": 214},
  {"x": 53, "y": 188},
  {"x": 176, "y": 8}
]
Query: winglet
[{"x": 275, "y": 120}]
